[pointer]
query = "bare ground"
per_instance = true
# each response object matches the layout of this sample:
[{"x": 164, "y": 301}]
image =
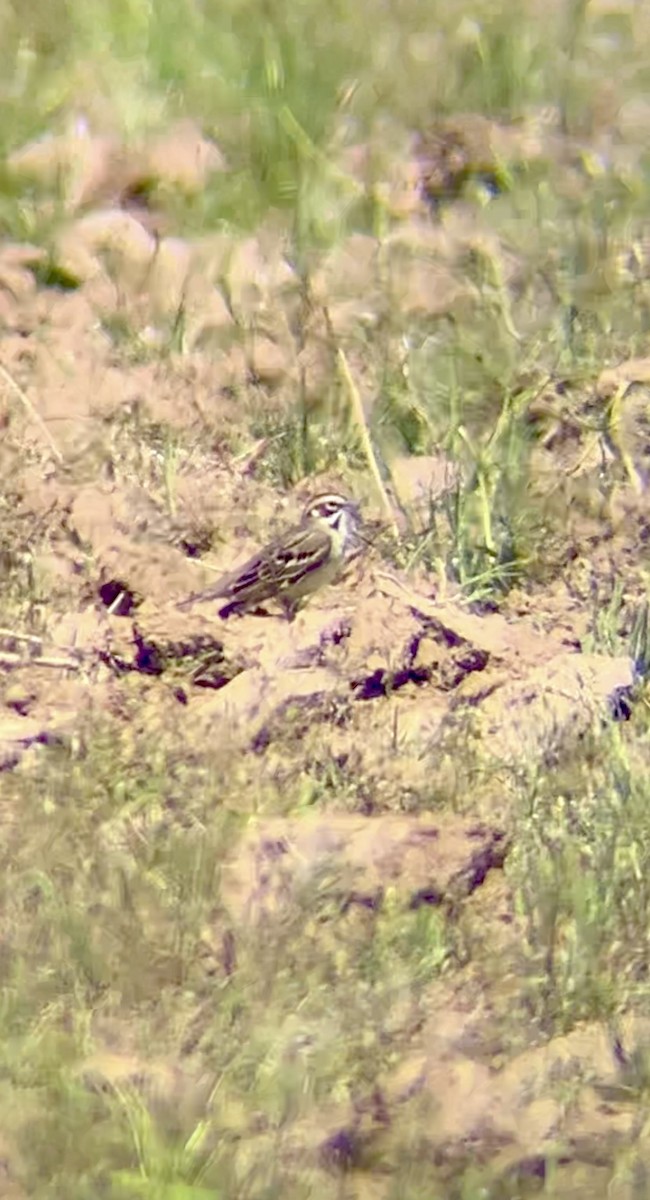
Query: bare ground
[{"x": 373, "y": 751}]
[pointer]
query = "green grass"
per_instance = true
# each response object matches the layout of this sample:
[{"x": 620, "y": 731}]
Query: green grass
[
  {"x": 110, "y": 908},
  {"x": 112, "y": 929},
  {"x": 579, "y": 869}
]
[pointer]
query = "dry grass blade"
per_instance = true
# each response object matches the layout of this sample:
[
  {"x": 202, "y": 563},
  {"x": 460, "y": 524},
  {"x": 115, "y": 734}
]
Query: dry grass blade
[
  {"x": 14, "y": 636},
  {"x": 7, "y": 659},
  {"x": 31, "y": 651},
  {"x": 36, "y": 418},
  {"x": 360, "y": 419}
]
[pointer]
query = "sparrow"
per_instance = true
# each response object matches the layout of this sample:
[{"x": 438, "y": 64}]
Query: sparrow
[{"x": 293, "y": 565}]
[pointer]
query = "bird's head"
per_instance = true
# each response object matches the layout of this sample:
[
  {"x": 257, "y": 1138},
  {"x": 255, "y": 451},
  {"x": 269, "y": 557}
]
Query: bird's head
[{"x": 338, "y": 513}]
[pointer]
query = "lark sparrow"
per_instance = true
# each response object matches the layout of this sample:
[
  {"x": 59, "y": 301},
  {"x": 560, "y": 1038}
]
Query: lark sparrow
[{"x": 295, "y": 564}]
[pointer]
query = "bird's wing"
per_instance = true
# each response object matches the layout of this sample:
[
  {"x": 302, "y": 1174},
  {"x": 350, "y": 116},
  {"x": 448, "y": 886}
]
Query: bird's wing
[
  {"x": 280, "y": 564},
  {"x": 271, "y": 570}
]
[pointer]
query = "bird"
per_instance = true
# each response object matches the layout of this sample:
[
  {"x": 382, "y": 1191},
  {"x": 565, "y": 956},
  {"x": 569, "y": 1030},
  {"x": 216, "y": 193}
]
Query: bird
[{"x": 294, "y": 564}]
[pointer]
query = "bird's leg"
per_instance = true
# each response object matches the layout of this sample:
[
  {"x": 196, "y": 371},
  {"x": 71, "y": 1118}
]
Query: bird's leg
[{"x": 289, "y": 607}]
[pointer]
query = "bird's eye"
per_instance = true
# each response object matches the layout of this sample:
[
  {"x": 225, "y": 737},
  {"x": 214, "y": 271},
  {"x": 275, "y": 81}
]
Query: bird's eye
[{"x": 327, "y": 509}]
